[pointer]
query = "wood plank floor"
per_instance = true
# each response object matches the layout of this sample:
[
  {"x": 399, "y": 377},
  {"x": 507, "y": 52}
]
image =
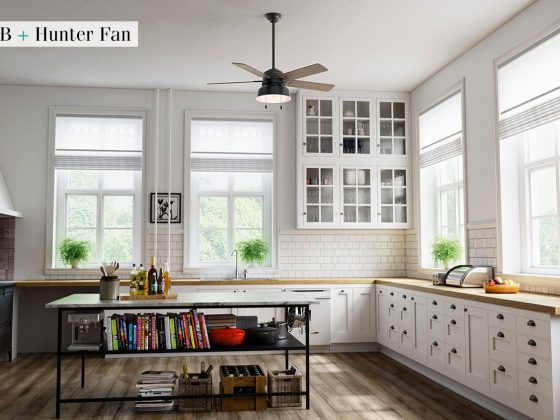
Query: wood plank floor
[{"x": 343, "y": 386}]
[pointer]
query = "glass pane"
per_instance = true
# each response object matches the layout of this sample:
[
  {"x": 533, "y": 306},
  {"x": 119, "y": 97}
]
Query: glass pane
[
  {"x": 400, "y": 214},
  {"x": 398, "y": 128},
  {"x": 363, "y": 109},
  {"x": 88, "y": 235},
  {"x": 545, "y": 242},
  {"x": 312, "y": 176},
  {"x": 386, "y": 146},
  {"x": 326, "y": 125},
  {"x": 364, "y": 214},
  {"x": 312, "y": 126},
  {"x": 440, "y": 122},
  {"x": 350, "y": 214},
  {"x": 117, "y": 245},
  {"x": 312, "y": 145},
  {"x": 234, "y": 136},
  {"x": 119, "y": 211},
  {"x": 543, "y": 191},
  {"x": 385, "y": 110},
  {"x": 399, "y": 147},
  {"x": 313, "y": 195},
  {"x": 386, "y": 196},
  {"x": 348, "y": 109},
  {"x": 245, "y": 235},
  {"x": 349, "y": 127},
  {"x": 327, "y": 195},
  {"x": 364, "y": 196},
  {"x": 326, "y": 176},
  {"x": 385, "y": 128},
  {"x": 99, "y": 133},
  {"x": 349, "y": 195},
  {"x": 541, "y": 141},
  {"x": 212, "y": 181},
  {"x": 327, "y": 214},
  {"x": 363, "y": 146},
  {"x": 400, "y": 195},
  {"x": 247, "y": 181},
  {"x": 213, "y": 245},
  {"x": 248, "y": 212},
  {"x": 349, "y": 176},
  {"x": 81, "y": 180},
  {"x": 213, "y": 212},
  {"x": 312, "y": 107},
  {"x": 386, "y": 177},
  {"x": 118, "y": 180},
  {"x": 400, "y": 177},
  {"x": 81, "y": 211},
  {"x": 364, "y": 177},
  {"x": 387, "y": 214},
  {"x": 326, "y": 108},
  {"x": 326, "y": 145},
  {"x": 313, "y": 214},
  {"x": 349, "y": 145},
  {"x": 398, "y": 110}
]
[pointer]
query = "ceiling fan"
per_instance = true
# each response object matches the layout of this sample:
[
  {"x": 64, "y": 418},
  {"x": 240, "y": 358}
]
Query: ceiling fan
[{"x": 274, "y": 81}]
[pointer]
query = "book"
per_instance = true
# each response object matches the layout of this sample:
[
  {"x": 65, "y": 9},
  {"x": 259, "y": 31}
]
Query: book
[
  {"x": 167, "y": 332},
  {"x": 114, "y": 333},
  {"x": 172, "y": 332},
  {"x": 204, "y": 331},
  {"x": 197, "y": 331}
]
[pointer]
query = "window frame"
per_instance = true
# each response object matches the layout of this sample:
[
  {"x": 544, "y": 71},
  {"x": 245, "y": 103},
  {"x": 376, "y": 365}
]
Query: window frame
[
  {"x": 190, "y": 245},
  {"x": 458, "y": 87},
  {"x": 53, "y": 204}
]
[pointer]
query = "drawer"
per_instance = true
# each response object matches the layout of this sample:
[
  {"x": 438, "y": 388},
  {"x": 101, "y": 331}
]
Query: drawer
[
  {"x": 534, "y": 365},
  {"x": 454, "y": 331},
  {"x": 503, "y": 320},
  {"x": 436, "y": 326},
  {"x": 406, "y": 316},
  {"x": 534, "y": 384},
  {"x": 393, "y": 337},
  {"x": 533, "y": 327},
  {"x": 454, "y": 310},
  {"x": 436, "y": 355},
  {"x": 406, "y": 342},
  {"x": 436, "y": 305},
  {"x": 535, "y": 405},
  {"x": 393, "y": 295},
  {"x": 394, "y": 312},
  {"x": 503, "y": 345},
  {"x": 533, "y": 346},
  {"x": 503, "y": 383},
  {"x": 455, "y": 362}
]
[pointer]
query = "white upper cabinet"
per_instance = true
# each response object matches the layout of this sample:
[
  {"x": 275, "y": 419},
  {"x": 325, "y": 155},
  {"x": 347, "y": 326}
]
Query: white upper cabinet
[
  {"x": 355, "y": 121},
  {"x": 319, "y": 131},
  {"x": 357, "y": 196},
  {"x": 393, "y": 197},
  {"x": 392, "y": 128}
]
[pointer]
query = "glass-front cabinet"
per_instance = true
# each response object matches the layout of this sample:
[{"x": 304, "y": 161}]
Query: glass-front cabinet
[
  {"x": 319, "y": 127},
  {"x": 392, "y": 130},
  {"x": 393, "y": 196},
  {"x": 319, "y": 195},
  {"x": 356, "y": 127},
  {"x": 357, "y": 197}
]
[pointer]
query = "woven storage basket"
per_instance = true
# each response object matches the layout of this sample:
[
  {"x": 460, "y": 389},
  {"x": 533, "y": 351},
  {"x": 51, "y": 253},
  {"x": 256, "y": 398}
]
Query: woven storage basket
[
  {"x": 195, "y": 386},
  {"x": 282, "y": 381}
]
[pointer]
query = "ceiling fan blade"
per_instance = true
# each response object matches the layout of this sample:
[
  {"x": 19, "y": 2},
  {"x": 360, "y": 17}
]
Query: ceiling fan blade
[
  {"x": 250, "y": 69},
  {"x": 231, "y": 83},
  {"x": 302, "y": 84},
  {"x": 305, "y": 71}
]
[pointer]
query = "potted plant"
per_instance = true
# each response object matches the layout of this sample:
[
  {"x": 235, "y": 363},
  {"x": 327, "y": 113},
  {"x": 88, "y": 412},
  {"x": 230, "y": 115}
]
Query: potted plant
[
  {"x": 72, "y": 252},
  {"x": 253, "y": 252},
  {"x": 445, "y": 250}
]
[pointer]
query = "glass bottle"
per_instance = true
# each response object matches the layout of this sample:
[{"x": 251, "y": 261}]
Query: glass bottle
[
  {"x": 133, "y": 281},
  {"x": 140, "y": 279},
  {"x": 166, "y": 278},
  {"x": 152, "y": 274},
  {"x": 160, "y": 283}
]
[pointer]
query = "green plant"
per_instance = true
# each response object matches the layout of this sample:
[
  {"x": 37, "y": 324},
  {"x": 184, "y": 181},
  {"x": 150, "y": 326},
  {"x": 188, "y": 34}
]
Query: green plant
[
  {"x": 72, "y": 251},
  {"x": 253, "y": 251},
  {"x": 445, "y": 250}
]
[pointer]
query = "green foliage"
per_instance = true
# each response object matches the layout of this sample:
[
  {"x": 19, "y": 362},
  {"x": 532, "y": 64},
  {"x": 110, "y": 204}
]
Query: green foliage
[
  {"x": 73, "y": 250},
  {"x": 253, "y": 251},
  {"x": 445, "y": 250}
]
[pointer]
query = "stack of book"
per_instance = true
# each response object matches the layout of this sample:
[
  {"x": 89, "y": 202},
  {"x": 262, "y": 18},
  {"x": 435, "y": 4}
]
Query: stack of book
[
  {"x": 182, "y": 331},
  {"x": 220, "y": 321},
  {"x": 156, "y": 383}
]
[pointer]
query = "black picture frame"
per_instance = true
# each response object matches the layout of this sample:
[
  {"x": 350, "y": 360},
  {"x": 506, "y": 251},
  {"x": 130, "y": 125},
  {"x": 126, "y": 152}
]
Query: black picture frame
[{"x": 159, "y": 210}]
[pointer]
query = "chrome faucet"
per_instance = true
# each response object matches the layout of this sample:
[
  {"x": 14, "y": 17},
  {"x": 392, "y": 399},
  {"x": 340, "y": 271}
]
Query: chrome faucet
[{"x": 236, "y": 252}]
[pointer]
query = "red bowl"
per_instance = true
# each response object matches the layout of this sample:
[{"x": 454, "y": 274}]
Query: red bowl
[{"x": 227, "y": 337}]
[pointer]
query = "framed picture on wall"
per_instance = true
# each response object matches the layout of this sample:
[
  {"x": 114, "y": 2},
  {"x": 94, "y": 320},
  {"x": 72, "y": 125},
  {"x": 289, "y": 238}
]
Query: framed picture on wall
[{"x": 167, "y": 208}]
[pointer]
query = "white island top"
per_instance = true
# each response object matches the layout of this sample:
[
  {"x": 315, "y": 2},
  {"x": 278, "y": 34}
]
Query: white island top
[{"x": 184, "y": 300}]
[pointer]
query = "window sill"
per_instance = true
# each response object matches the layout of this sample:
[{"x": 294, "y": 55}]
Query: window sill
[
  {"x": 123, "y": 270},
  {"x": 254, "y": 273},
  {"x": 528, "y": 279}
]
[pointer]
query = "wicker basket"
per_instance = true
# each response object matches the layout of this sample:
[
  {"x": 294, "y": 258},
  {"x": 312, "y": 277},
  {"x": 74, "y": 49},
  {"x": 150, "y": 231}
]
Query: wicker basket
[
  {"x": 283, "y": 381},
  {"x": 195, "y": 386}
]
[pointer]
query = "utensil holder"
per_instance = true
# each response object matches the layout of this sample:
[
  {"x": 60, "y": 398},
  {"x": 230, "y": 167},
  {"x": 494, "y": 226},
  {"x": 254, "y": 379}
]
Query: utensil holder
[{"x": 109, "y": 288}]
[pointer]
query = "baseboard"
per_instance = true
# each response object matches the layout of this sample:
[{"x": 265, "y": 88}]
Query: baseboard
[{"x": 470, "y": 394}]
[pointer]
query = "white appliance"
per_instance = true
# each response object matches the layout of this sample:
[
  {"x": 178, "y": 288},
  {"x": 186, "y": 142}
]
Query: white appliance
[
  {"x": 468, "y": 276},
  {"x": 320, "y": 325}
]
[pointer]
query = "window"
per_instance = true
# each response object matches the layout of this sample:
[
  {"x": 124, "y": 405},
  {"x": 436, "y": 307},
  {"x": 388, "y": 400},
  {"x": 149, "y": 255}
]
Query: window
[
  {"x": 98, "y": 184},
  {"x": 231, "y": 165},
  {"x": 440, "y": 134},
  {"x": 529, "y": 131}
]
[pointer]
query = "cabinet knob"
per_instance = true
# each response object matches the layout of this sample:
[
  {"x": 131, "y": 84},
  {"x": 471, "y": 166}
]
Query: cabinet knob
[
  {"x": 453, "y": 322},
  {"x": 500, "y": 316},
  {"x": 500, "y": 334},
  {"x": 392, "y": 327},
  {"x": 453, "y": 306},
  {"x": 342, "y": 291},
  {"x": 531, "y": 323},
  {"x": 501, "y": 368},
  {"x": 404, "y": 308},
  {"x": 532, "y": 342},
  {"x": 404, "y": 332},
  {"x": 392, "y": 305},
  {"x": 434, "y": 316},
  {"x": 342, "y": 213},
  {"x": 434, "y": 302},
  {"x": 392, "y": 294},
  {"x": 533, "y": 380},
  {"x": 435, "y": 344},
  {"x": 304, "y": 213},
  {"x": 532, "y": 361},
  {"x": 381, "y": 291},
  {"x": 534, "y": 398},
  {"x": 454, "y": 350},
  {"x": 404, "y": 296},
  {"x": 412, "y": 298}
]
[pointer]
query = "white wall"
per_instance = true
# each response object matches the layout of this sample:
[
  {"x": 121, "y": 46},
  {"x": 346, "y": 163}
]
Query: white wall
[{"x": 477, "y": 67}]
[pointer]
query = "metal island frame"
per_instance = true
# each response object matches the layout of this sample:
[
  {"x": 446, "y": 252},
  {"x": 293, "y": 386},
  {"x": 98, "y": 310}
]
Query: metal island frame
[{"x": 186, "y": 301}]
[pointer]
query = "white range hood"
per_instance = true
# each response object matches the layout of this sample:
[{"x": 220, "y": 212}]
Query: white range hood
[{"x": 6, "y": 204}]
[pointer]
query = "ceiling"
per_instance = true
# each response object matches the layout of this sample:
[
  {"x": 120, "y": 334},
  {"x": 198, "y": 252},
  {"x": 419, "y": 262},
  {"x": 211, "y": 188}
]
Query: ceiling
[{"x": 365, "y": 44}]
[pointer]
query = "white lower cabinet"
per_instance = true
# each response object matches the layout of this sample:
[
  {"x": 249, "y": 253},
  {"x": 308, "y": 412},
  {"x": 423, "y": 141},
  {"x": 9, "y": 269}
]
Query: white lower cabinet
[
  {"x": 476, "y": 348},
  {"x": 354, "y": 314},
  {"x": 363, "y": 308},
  {"x": 341, "y": 319},
  {"x": 503, "y": 383},
  {"x": 455, "y": 362}
]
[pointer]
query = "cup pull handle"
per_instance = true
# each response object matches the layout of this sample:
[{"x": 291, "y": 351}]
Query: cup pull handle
[
  {"x": 534, "y": 398},
  {"x": 434, "y": 316},
  {"x": 453, "y": 322},
  {"x": 501, "y": 368},
  {"x": 454, "y": 350},
  {"x": 531, "y": 323},
  {"x": 532, "y": 343},
  {"x": 435, "y": 344},
  {"x": 500, "y": 334},
  {"x": 532, "y": 361},
  {"x": 500, "y": 316},
  {"x": 533, "y": 380}
]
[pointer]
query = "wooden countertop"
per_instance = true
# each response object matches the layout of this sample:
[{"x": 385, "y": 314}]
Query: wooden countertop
[{"x": 549, "y": 304}]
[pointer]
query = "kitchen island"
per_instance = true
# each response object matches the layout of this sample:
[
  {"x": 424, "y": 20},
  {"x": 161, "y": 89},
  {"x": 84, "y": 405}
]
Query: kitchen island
[{"x": 89, "y": 301}]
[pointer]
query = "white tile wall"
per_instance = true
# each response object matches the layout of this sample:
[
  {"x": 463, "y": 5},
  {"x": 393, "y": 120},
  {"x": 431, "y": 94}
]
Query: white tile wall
[{"x": 482, "y": 246}]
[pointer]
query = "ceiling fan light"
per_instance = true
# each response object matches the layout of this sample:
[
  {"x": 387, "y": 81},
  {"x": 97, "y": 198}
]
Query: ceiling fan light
[{"x": 274, "y": 94}]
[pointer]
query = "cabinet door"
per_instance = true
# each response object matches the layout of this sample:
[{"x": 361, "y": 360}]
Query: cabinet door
[
  {"x": 392, "y": 130},
  {"x": 383, "y": 320},
  {"x": 263, "y": 314},
  {"x": 455, "y": 362},
  {"x": 341, "y": 318},
  {"x": 363, "y": 309},
  {"x": 436, "y": 355},
  {"x": 476, "y": 354},
  {"x": 393, "y": 197},
  {"x": 318, "y": 127},
  {"x": 420, "y": 307},
  {"x": 356, "y": 127},
  {"x": 319, "y": 196},
  {"x": 356, "y": 195},
  {"x": 503, "y": 383}
]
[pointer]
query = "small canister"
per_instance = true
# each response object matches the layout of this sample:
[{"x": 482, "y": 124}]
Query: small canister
[
  {"x": 109, "y": 288},
  {"x": 281, "y": 326}
]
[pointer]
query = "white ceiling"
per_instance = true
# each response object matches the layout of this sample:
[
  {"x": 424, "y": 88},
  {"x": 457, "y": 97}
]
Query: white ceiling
[{"x": 365, "y": 44}]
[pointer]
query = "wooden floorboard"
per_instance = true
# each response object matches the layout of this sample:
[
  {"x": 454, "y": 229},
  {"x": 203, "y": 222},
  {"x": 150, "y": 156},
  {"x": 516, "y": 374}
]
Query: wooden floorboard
[{"x": 343, "y": 386}]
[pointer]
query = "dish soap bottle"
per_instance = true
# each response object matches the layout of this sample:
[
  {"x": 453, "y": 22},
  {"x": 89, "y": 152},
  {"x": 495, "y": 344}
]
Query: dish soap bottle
[{"x": 166, "y": 277}]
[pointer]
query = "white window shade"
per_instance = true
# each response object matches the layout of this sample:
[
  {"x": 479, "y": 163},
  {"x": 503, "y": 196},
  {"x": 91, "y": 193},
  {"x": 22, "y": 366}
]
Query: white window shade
[
  {"x": 440, "y": 124},
  {"x": 531, "y": 77}
]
